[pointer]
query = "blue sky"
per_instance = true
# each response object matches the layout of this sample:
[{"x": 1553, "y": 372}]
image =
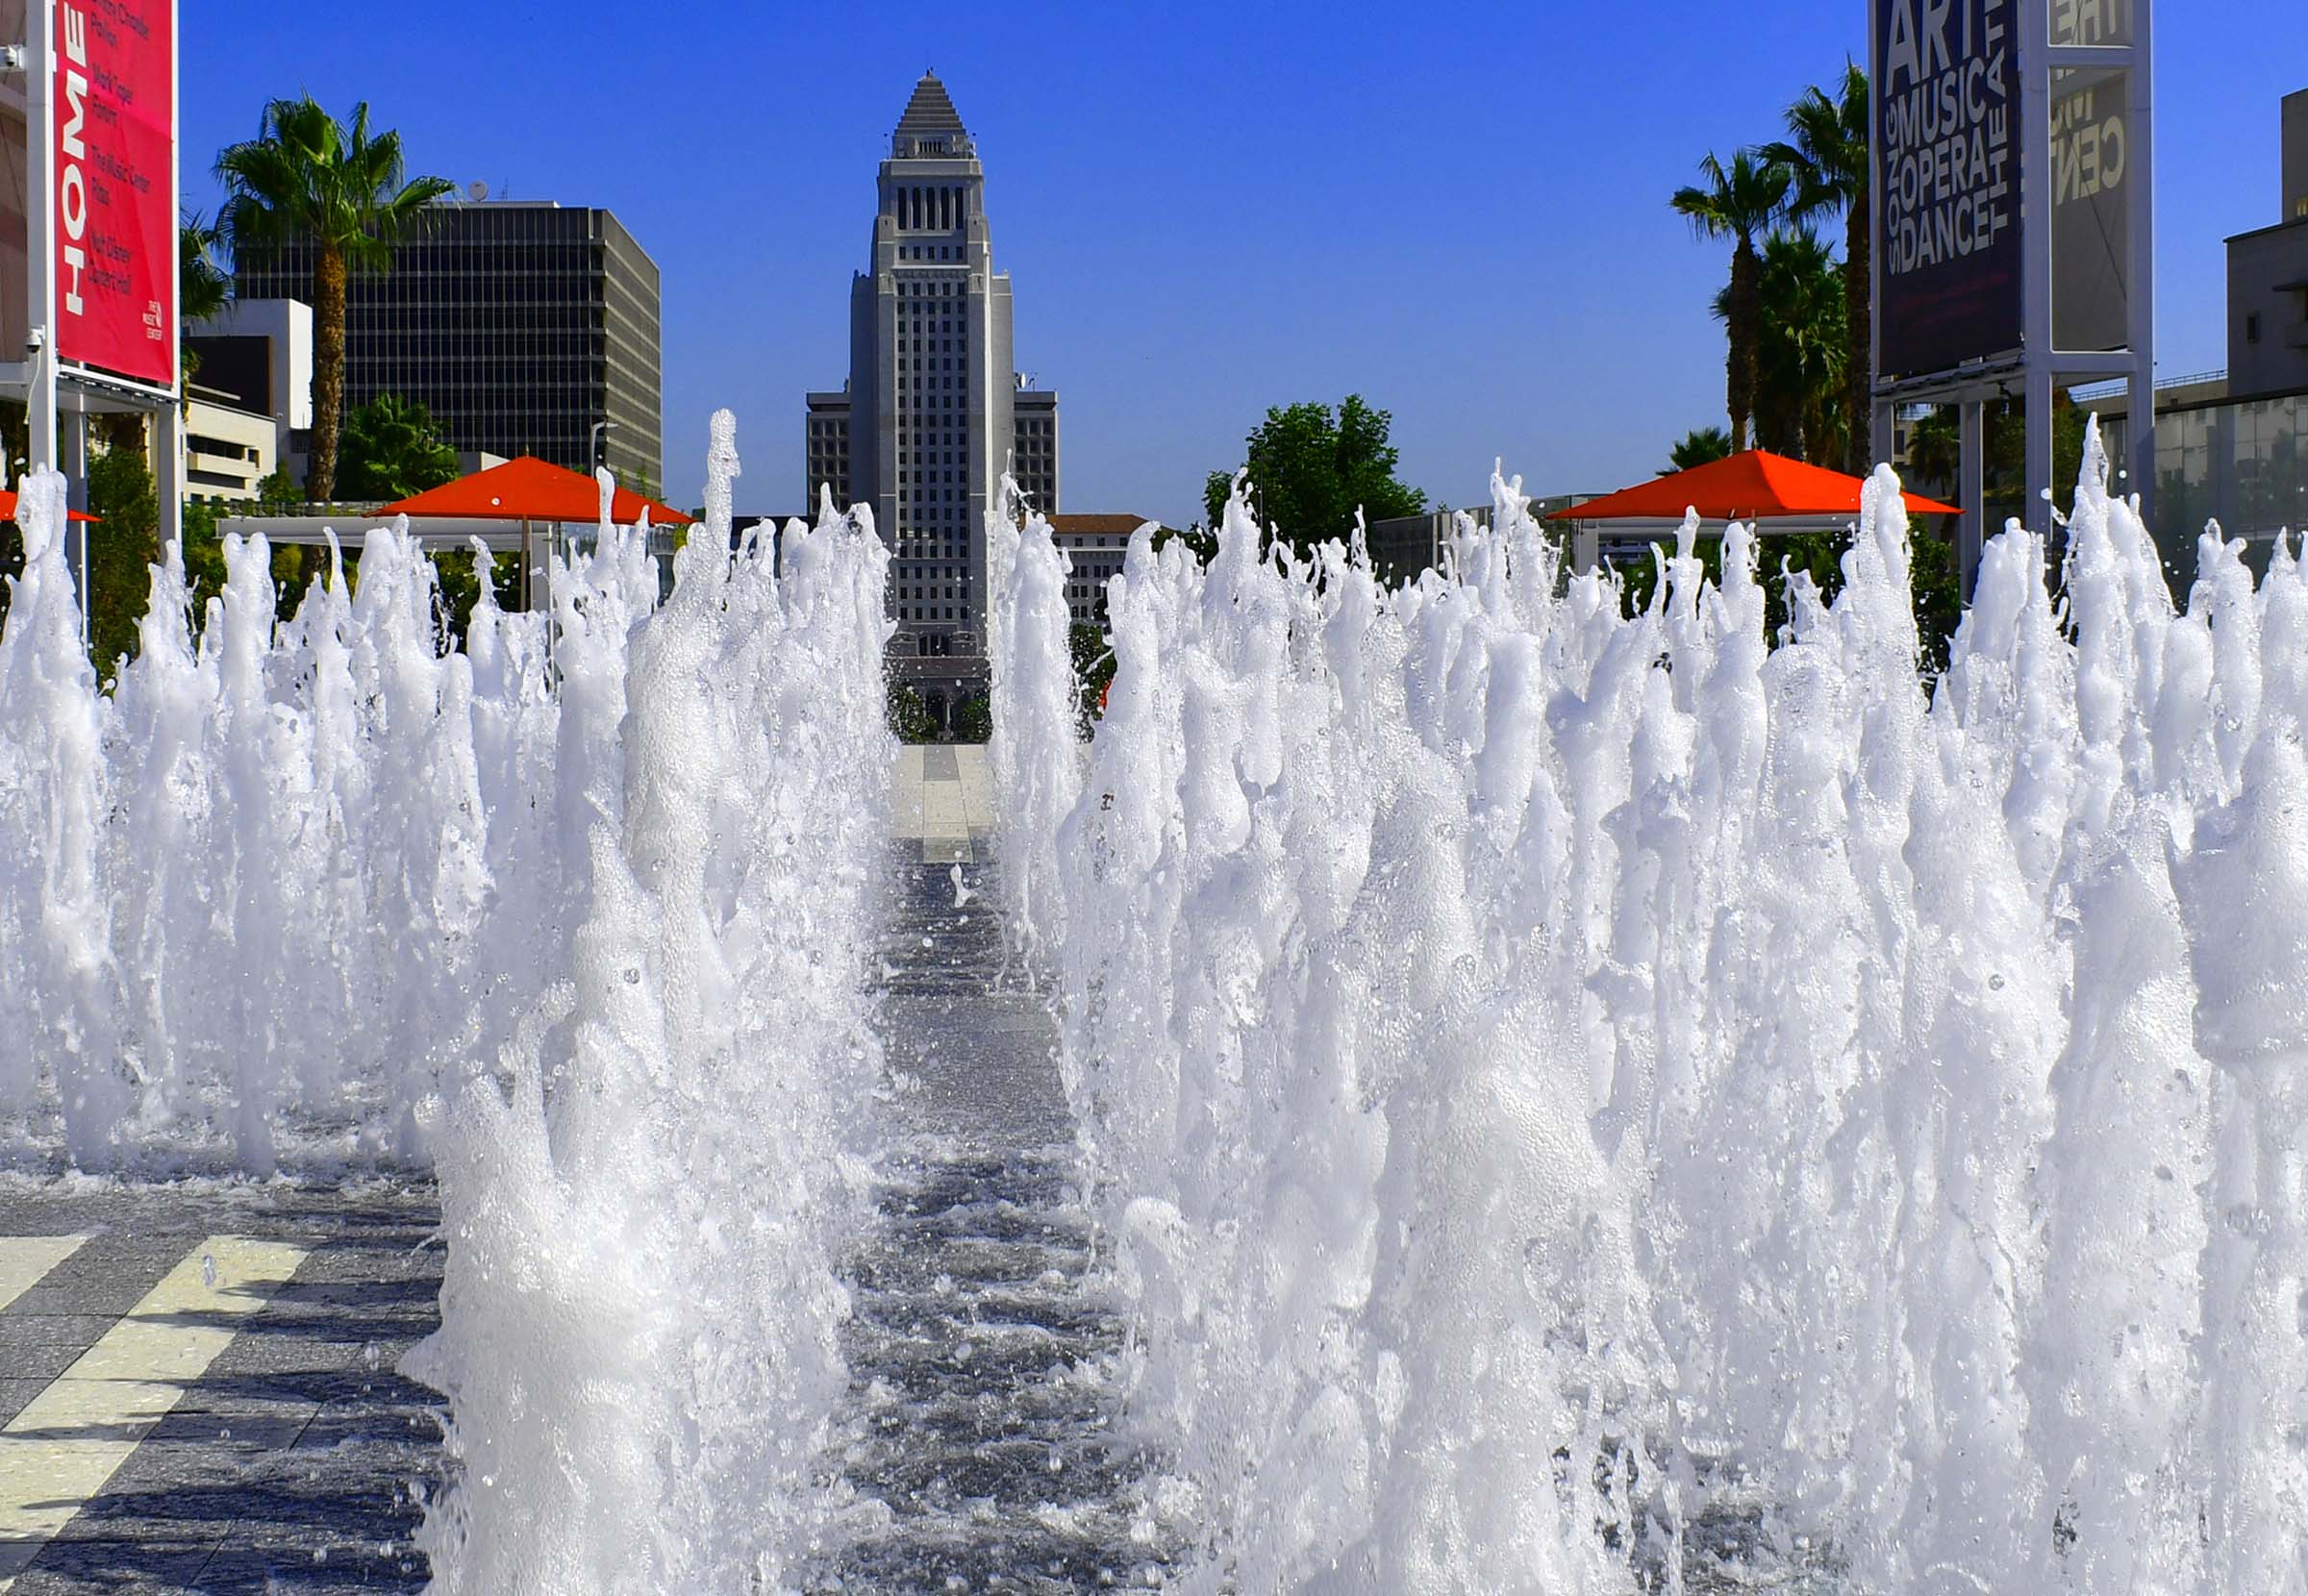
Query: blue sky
[{"x": 1456, "y": 211}]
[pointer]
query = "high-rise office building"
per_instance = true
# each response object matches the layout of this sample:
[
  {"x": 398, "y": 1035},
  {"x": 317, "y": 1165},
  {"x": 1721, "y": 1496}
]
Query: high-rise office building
[
  {"x": 934, "y": 412},
  {"x": 2268, "y": 279},
  {"x": 518, "y": 324}
]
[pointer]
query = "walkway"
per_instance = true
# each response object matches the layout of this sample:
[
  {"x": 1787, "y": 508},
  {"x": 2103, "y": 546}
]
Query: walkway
[
  {"x": 981, "y": 1365},
  {"x": 942, "y": 797},
  {"x": 197, "y": 1389}
]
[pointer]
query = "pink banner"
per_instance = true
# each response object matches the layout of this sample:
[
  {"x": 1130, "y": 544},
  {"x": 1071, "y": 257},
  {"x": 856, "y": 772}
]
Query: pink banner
[{"x": 116, "y": 186}]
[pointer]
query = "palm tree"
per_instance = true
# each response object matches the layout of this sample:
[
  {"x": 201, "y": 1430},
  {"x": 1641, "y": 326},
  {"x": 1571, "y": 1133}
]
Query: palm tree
[
  {"x": 306, "y": 178},
  {"x": 202, "y": 286},
  {"x": 1935, "y": 451},
  {"x": 1799, "y": 349},
  {"x": 201, "y": 291},
  {"x": 1696, "y": 447},
  {"x": 393, "y": 448},
  {"x": 1738, "y": 201},
  {"x": 1826, "y": 149}
]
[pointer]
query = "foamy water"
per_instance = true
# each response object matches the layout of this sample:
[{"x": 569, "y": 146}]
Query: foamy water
[
  {"x": 1577, "y": 1100},
  {"x": 647, "y": 1203},
  {"x": 579, "y": 914},
  {"x": 1562, "y": 1102}
]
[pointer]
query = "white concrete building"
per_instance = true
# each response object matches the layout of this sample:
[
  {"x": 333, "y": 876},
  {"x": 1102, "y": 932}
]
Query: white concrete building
[
  {"x": 932, "y": 413},
  {"x": 252, "y": 397},
  {"x": 1095, "y": 546},
  {"x": 228, "y": 450}
]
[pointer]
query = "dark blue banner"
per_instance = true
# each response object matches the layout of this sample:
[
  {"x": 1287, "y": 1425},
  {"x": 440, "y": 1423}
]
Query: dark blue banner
[{"x": 1946, "y": 182}]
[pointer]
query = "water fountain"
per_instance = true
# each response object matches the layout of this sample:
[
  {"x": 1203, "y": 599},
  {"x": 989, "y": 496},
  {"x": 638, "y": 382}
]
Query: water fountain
[
  {"x": 654, "y": 1189},
  {"x": 578, "y": 915},
  {"x": 1560, "y": 1100},
  {"x": 1582, "y": 1102}
]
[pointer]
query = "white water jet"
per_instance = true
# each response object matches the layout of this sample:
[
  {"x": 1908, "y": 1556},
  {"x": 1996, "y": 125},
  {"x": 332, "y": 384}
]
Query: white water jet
[
  {"x": 258, "y": 886},
  {"x": 581, "y": 913},
  {"x": 1557, "y": 1081},
  {"x": 58, "y": 902},
  {"x": 653, "y": 1189},
  {"x": 1033, "y": 753}
]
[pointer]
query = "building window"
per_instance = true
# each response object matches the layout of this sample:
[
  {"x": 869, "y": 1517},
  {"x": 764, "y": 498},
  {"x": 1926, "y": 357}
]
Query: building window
[{"x": 2251, "y": 327}]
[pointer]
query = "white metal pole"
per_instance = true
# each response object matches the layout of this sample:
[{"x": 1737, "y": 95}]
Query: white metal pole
[
  {"x": 169, "y": 440},
  {"x": 168, "y": 455},
  {"x": 2035, "y": 247},
  {"x": 75, "y": 466},
  {"x": 39, "y": 218},
  {"x": 1972, "y": 497},
  {"x": 2140, "y": 139}
]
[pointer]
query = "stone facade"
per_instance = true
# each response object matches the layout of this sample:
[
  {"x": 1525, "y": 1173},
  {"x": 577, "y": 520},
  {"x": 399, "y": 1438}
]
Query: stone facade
[{"x": 934, "y": 412}]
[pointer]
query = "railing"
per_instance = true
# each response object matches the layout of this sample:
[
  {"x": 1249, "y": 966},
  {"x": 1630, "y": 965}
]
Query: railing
[
  {"x": 2240, "y": 462},
  {"x": 2085, "y": 391}
]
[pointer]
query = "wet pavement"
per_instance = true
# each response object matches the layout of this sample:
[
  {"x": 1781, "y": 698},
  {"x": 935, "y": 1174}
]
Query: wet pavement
[
  {"x": 200, "y": 1395},
  {"x": 985, "y": 1425},
  {"x": 197, "y": 1386}
]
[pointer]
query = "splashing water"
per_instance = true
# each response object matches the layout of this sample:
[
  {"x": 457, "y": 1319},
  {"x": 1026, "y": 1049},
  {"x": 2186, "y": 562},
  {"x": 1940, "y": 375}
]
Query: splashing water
[
  {"x": 654, "y": 1192},
  {"x": 279, "y": 883},
  {"x": 1569, "y": 1102},
  {"x": 1585, "y": 1103},
  {"x": 1034, "y": 763},
  {"x": 580, "y": 913}
]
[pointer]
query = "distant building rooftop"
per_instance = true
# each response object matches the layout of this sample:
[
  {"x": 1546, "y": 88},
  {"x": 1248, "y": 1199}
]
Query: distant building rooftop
[
  {"x": 1084, "y": 526},
  {"x": 931, "y": 109}
]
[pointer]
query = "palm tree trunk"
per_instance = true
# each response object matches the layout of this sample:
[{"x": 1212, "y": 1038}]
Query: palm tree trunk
[
  {"x": 1858, "y": 312},
  {"x": 328, "y": 372},
  {"x": 1746, "y": 311}
]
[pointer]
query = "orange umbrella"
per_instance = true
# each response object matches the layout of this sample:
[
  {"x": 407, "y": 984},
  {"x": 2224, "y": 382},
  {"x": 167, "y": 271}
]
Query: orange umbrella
[
  {"x": 526, "y": 488},
  {"x": 8, "y": 509},
  {"x": 1752, "y": 485}
]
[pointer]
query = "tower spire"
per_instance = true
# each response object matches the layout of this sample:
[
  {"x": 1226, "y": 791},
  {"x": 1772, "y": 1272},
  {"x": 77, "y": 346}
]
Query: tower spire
[{"x": 930, "y": 119}]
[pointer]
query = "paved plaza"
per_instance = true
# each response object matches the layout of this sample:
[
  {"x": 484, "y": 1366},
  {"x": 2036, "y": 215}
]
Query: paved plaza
[
  {"x": 197, "y": 1386},
  {"x": 942, "y": 797}
]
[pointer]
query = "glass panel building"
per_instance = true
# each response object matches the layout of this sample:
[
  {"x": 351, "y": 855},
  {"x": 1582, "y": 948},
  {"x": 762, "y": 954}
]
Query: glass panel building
[
  {"x": 520, "y": 324},
  {"x": 2242, "y": 464}
]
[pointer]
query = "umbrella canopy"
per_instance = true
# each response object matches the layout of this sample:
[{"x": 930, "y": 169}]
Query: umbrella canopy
[
  {"x": 7, "y": 507},
  {"x": 527, "y": 488},
  {"x": 1753, "y": 486}
]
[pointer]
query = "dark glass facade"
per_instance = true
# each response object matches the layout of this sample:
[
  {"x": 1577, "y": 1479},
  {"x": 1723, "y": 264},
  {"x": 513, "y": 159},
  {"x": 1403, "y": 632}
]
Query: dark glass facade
[{"x": 519, "y": 325}]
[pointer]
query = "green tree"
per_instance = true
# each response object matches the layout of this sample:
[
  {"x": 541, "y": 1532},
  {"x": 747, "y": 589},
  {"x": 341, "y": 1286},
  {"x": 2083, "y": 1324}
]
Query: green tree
[
  {"x": 277, "y": 490},
  {"x": 974, "y": 719},
  {"x": 1738, "y": 202},
  {"x": 1799, "y": 351},
  {"x": 1934, "y": 454},
  {"x": 203, "y": 290},
  {"x": 120, "y": 550},
  {"x": 204, "y": 557},
  {"x": 1200, "y": 541},
  {"x": 909, "y": 718},
  {"x": 305, "y": 176},
  {"x": 1093, "y": 669},
  {"x": 1696, "y": 447},
  {"x": 459, "y": 572},
  {"x": 1311, "y": 470},
  {"x": 1826, "y": 150},
  {"x": 393, "y": 448},
  {"x": 295, "y": 567}
]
